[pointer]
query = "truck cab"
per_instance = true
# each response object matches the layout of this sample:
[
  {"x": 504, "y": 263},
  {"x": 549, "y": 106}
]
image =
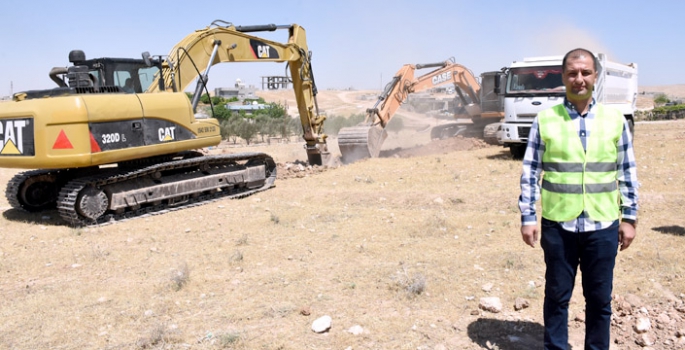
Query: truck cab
[{"x": 535, "y": 84}]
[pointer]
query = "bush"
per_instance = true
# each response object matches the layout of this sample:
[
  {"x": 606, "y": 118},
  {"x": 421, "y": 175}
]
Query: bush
[
  {"x": 661, "y": 99},
  {"x": 334, "y": 123}
]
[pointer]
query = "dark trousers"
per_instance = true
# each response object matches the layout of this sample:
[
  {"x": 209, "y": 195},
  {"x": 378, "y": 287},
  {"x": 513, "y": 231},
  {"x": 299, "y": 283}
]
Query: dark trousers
[{"x": 595, "y": 252}]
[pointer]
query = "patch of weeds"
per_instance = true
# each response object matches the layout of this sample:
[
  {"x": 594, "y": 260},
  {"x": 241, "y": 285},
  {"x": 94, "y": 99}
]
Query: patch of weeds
[
  {"x": 513, "y": 261},
  {"x": 413, "y": 285},
  {"x": 99, "y": 253},
  {"x": 434, "y": 224},
  {"x": 456, "y": 201},
  {"x": 367, "y": 179},
  {"x": 180, "y": 277},
  {"x": 531, "y": 292},
  {"x": 275, "y": 219},
  {"x": 242, "y": 240},
  {"x": 157, "y": 337},
  {"x": 229, "y": 340},
  {"x": 279, "y": 311},
  {"x": 237, "y": 256},
  {"x": 76, "y": 231}
]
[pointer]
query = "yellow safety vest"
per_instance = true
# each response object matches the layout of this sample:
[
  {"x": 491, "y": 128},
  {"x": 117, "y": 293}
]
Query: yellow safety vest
[{"x": 575, "y": 179}]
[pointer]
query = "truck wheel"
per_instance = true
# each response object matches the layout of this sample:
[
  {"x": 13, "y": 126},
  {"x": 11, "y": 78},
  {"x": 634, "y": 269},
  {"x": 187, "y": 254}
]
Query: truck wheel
[{"x": 517, "y": 151}]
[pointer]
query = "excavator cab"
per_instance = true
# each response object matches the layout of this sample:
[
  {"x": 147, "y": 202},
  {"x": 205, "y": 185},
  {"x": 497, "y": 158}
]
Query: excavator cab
[{"x": 105, "y": 75}]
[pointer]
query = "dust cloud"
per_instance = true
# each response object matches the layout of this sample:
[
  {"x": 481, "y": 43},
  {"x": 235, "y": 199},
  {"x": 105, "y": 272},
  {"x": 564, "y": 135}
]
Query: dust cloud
[{"x": 559, "y": 38}]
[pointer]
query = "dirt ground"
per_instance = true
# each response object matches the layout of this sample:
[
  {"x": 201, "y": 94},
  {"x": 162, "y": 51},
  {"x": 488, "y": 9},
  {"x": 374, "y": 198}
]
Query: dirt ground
[{"x": 399, "y": 251}]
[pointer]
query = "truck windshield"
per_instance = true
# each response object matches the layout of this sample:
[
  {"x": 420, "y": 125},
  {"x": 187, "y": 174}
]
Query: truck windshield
[{"x": 532, "y": 80}]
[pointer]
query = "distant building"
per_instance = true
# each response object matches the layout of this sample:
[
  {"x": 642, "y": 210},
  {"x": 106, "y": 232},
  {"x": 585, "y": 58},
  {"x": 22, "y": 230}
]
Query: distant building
[
  {"x": 248, "y": 108},
  {"x": 274, "y": 82},
  {"x": 240, "y": 91}
]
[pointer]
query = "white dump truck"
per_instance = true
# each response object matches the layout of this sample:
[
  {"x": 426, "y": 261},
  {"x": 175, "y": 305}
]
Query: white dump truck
[{"x": 535, "y": 84}]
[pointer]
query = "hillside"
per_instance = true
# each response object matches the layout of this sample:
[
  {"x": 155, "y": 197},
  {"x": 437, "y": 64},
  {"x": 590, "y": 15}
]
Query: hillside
[{"x": 347, "y": 102}]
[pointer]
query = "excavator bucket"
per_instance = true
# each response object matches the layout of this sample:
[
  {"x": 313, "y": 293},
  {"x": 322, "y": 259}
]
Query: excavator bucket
[{"x": 360, "y": 141}]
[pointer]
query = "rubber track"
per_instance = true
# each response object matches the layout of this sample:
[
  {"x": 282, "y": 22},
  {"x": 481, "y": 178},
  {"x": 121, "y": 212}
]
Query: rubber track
[
  {"x": 66, "y": 201},
  {"x": 12, "y": 189}
]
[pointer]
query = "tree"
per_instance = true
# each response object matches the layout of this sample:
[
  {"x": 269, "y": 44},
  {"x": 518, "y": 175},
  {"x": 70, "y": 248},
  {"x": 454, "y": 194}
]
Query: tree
[
  {"x": 218, "y": 100},
  {"x": 222, "y": 113},
  {"x": 204, "y": 98},
  {"x": 246, "y": 129},
  {"x": 227, "y": 127},
  {"x": 661, "y": 99}
]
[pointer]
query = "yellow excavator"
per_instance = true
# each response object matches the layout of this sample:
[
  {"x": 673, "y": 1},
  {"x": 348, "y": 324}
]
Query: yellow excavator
[
  {"x": 483, "y": 106},
  {"x": 119, "y": 138}
]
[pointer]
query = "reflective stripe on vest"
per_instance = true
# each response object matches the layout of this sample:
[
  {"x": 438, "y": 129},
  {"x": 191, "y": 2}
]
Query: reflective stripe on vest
[{"x": 575, "y": 179}]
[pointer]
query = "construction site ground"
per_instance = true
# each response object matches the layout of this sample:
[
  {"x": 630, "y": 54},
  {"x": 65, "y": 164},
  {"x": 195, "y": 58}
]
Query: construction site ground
[{"x": 411, "y": 250}]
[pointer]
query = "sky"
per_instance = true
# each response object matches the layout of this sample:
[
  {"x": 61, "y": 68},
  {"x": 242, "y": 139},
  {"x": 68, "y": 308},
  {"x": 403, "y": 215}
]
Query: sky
[{"x": 355, "y": 44}]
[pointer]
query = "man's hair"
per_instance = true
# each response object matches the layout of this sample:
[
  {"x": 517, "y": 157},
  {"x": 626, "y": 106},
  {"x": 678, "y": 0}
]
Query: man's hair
[{"x": 577, "y": 53}]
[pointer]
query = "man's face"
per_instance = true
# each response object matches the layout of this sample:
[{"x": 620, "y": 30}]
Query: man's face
[{"x": 579, "y": 77}]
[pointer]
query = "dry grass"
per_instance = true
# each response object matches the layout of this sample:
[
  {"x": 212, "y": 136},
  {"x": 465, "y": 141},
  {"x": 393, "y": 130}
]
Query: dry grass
[{"x": 399, "y": 246}]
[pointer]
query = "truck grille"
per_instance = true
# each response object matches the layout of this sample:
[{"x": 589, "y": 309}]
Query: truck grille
[{"x": 523, "y": 132}]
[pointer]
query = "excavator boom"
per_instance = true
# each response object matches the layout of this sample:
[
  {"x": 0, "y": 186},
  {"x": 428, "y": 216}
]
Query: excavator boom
[{"x": 229, "y": 43}]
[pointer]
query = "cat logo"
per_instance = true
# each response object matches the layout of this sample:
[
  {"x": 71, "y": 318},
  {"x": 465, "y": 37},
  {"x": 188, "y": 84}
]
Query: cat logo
[
  {"x": 263, "y": 51},
  {"x": 441, "y": 78},
  {"x": 12, "y": 136},
  {"x": 166, "y": 134}
]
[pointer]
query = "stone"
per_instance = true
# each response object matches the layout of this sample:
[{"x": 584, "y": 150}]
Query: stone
[
  {"x": 487, "y": 287},
  {"x": 645, "y": 340},
  {"x": 520, "y": 304},
  {"x": 356, "y": 330},
  {"x": 642, "y": 325},
  {"x": 491, "y": 304},
  {"x": 322, "y": 324}
]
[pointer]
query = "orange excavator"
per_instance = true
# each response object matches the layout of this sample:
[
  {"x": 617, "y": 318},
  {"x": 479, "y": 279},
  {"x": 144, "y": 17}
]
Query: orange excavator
[{"x": 364, "y": 140}]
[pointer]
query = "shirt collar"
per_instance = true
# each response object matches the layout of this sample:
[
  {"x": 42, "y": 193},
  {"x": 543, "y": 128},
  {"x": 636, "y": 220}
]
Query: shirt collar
[{"x": 571, "y": 108}]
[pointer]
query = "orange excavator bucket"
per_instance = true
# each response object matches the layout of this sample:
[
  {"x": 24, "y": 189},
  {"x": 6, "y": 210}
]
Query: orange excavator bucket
[{"x": 361, "y": 141}]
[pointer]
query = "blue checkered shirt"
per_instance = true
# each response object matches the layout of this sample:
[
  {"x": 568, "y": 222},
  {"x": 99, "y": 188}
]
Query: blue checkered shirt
[{"x": 532, "y": 168}]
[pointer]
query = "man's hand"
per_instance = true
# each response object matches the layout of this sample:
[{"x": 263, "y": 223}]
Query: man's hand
[
  {"x": 530, "y": 234},
  {"x": 626, "y": 234}
]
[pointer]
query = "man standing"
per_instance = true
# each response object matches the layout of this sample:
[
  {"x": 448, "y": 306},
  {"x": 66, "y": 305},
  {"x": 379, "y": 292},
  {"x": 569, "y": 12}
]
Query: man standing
[{"x": 589, "y": 200}]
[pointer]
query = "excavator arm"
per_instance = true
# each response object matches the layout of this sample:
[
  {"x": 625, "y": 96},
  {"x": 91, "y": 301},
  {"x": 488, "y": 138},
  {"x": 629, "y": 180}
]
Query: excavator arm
[
  {"x": 365, "y": 139},
  {"x": 228, "y": 43}
]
